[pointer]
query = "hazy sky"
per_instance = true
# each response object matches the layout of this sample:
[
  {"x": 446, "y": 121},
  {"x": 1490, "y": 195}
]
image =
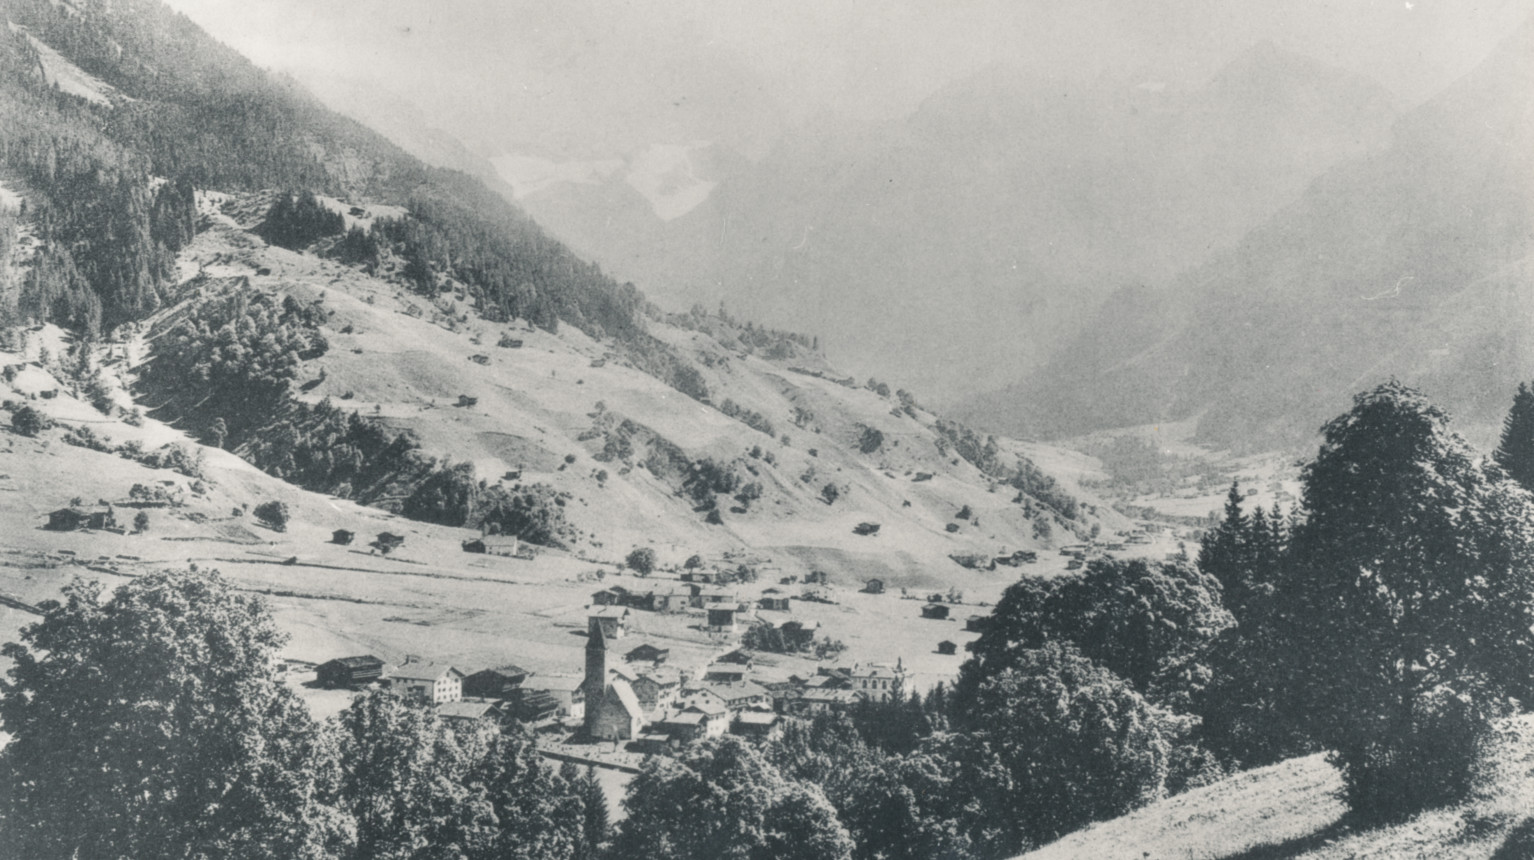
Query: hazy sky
[{"x": 594, "y": 78}]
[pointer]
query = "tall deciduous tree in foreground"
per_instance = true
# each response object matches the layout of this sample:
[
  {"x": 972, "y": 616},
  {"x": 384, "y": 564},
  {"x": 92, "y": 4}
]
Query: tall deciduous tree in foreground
[
  {"x": 1407, "y": 600},
  {"x": 152, "y": 723}
]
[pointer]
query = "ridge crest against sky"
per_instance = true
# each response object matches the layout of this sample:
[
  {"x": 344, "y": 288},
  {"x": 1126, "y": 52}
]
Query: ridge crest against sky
[{"x": 599, "y": 78}]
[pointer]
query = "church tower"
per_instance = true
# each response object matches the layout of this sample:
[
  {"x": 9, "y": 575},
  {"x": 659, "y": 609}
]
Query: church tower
[{"x": 596, "y": 673}]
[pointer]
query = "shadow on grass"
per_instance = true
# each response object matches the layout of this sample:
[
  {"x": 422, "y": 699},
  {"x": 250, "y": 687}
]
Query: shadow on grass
[{"x": 1299, "y": 844}]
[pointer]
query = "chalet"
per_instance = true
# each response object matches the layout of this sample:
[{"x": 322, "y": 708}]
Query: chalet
[
  {"x": 705, "y": 597},
  {"x": 476, "y": 545},
  {"x": 758, "y": 724},
  {"x": 977, "y": 623},
  {"x": 567, "y": 690},
  {"x": 67, "y": 519},
  {"x": 460, "y": 712},
  {"x": 535, "y": 707},
  {"x": 873, "y": 586},
  {"x": 742, "y": 696},
  {"x": 479, "y": 358},
  {"x": 657, "y": 689},
  {"x": 810, "y": 702},
  {"x": 389, "y": 541},
  {"x": 721, "y": 619},
  {"x": 612, "y": 596},
  {"x": 706, "y": 719},
  {"x": 738, "y": 657},
  {"x": 502, "y": 545},
  {"x": 866, "y": 529},
  {"x": 102, "y": 520},
  {"x": 877, "y": 680},
  {"x": 724, "y": 673},
  {"x": 948, "y": 648},
  {"x": 935, "y": 611},
  {"x": 342, "y": 536},
  {"x": 647, "y": 653},
  {"x": 465, "y": 401},
  {"x": 774, "y": 603},
  {"x": 431, "y": 682},
  {"x": 349, "y": 672},
  {"x": 611, "y": 620},
  {"x": 502, "y": 682}
]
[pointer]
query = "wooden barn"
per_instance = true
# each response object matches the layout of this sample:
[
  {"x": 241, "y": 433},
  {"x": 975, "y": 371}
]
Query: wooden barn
[
  {"x": 348, "y": 672},
  {"x": 342, "y": 536},
  {"x": 936, "y": 611}
]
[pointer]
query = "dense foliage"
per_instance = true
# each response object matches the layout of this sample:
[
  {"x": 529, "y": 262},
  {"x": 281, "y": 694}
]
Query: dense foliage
[
  {"x": 296, "y": 221},
  {"x": 1515, "y": 453}
]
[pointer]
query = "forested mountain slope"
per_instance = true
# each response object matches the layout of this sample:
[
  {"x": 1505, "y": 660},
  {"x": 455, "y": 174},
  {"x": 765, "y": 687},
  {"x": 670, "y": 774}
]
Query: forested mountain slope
[{"x": 1414, "y": 261}]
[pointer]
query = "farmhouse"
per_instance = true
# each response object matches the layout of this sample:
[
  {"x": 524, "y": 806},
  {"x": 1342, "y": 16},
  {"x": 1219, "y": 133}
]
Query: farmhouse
[
  {"x": 775, "y": 604},
  {"x": 811, "y": 702},
  {"x": 501, "y": 682},
  {"x": 707, "y": 719},
  {"x": 342, "y": 536},
  {"x": 721, "y": 619},
  {"x": 567, "y": 690},
  {"x": 468, "y": 712},
  {"x": 757, "y": 724},
  {"x": 724, "y": 673},
  {"x": 947, "y": 647},
  {"x": 67, "y": 519},
  {"x": 976, "y": 623},
  {"x": 657, "y": 689},
  {"x": 935, "y": 611},
  {"x": 502, "y": 545},
  {"x": 647, "y": 653},
  {"x": 475, "y": 545},
  {"x": 873, "y": 586},
  {"x": 739, "y": 657},
  {"x": 389, "y": 541},
  {"x": 347, "y": 672},
  {"x": 531, "y": 707},
  {"x": 431, "y": 682}
]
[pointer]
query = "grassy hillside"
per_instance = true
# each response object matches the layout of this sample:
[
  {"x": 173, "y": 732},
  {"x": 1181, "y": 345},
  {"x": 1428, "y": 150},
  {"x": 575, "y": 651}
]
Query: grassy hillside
[{"x": 1291, "y": 810}]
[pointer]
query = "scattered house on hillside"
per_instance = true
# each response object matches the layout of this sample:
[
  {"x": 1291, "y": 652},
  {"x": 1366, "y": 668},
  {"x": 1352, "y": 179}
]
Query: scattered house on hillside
[
  {"x": 611, "y": 620},
  {"x": 502, "y": 545},
  {"x": 427, "y": 681},
  {"x": 569, "y": 691},
  {"x": 67, "y": 519},
  {"x": 976, "y": 623},
  {"x": 873, "y": 586},
  {"x": 935, "y": 611},
  {"x": 342, "y": 536},
  {"x": 774, "y": 603},
  {"x": 948, "y": 648},
  {"x": 476, "y": 545},
  {"x": 468, "y": 711},
  {"x": 349, "y": 672},
  {"x": 388, "y": 541},
  {"x": 647, "y": 653},
  {"x": 866, "y": 529},
  {"x": 479, "y": 358},
  {"x": 721, "y": 619},
  {"x": 465, "y": 401},
  {"x": 501, "y": 682}
]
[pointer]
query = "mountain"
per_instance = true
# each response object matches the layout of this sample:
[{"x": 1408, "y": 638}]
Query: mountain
[
  {"x": 958, "y": 246},
  {"x": 1413, "y": 261},
  {"x": 206, "y": 273}
]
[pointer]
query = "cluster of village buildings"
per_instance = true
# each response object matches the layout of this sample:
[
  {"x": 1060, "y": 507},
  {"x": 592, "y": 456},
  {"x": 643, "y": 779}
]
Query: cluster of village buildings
[{"x": 627, "y": 694}]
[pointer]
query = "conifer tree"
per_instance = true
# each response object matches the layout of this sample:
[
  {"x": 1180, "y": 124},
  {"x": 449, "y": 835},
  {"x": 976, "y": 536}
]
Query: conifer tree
[{"x": 1515, "y": 454}]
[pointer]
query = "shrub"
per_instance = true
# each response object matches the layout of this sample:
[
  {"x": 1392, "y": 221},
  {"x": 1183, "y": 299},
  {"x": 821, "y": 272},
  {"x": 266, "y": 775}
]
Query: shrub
[
  {"x": 273, "y": 513},
  {"x": 641, "y": 560},
  {"x": 29, "y": 422}
]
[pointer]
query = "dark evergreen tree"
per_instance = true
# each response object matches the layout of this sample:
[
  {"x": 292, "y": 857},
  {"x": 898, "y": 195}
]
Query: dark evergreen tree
[{"x": 1515, "y": 453}]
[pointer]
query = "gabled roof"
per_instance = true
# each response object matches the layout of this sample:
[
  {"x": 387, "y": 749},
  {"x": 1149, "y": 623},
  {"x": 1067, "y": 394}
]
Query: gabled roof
[
  {"x": 423, "y": 671},
  {"x": 607, "y": 612},
  {"x": 707, "y": 707},
  {"x": 508, "y": 670},
  {"x": 757, "y": 718},
  {"x": 626, "y": 696},
  {"x": 554, "y": 683},
  {"x": 736, "y": 692},
  {"x": 356, "y": 662},
  {"x": 465, "y": 710}
]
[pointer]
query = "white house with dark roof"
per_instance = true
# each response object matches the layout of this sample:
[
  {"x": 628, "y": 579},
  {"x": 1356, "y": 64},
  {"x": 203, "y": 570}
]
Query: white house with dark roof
[{"x": 431, "y": 682}]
